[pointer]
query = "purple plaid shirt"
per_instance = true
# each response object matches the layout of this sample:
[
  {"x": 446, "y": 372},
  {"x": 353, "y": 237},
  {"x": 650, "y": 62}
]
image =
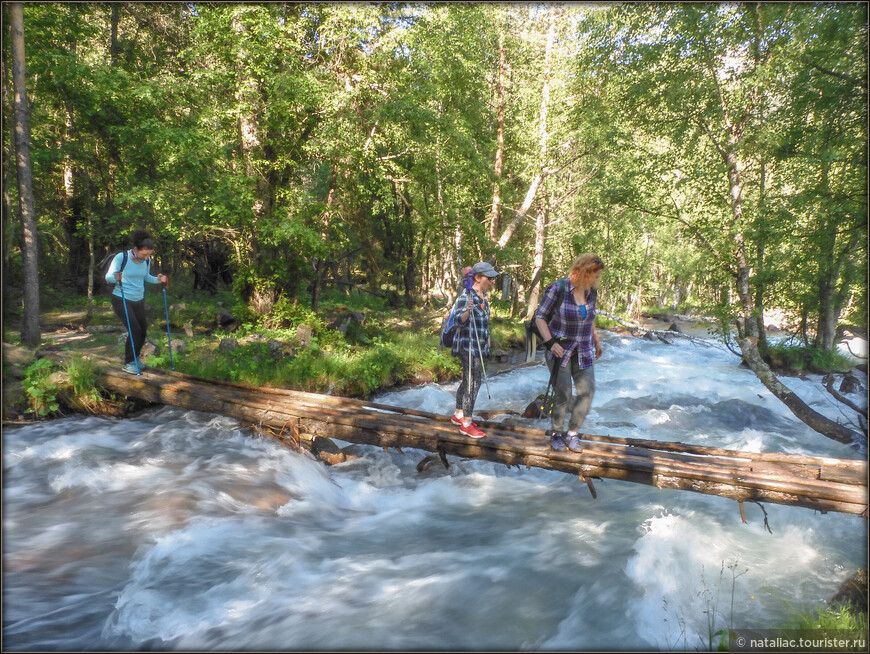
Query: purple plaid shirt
[
  {"x": 568, "y": 324},
  {"x": 465, "y": 334}
]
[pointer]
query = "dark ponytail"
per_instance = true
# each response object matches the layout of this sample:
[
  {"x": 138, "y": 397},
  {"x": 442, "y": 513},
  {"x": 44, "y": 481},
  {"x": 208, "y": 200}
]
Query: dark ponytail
[{"x": 142, "y": 239}]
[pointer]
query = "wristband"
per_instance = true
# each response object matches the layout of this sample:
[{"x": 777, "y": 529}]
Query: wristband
[{"x": 549, "y": 344}]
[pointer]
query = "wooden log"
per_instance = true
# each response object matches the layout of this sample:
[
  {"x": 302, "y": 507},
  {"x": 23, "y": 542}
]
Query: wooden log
[
  {"x": 362, "y": 422},
  {"x": 859, "y": 466},
  {"x": 829, "y": 464},
  {"x": 638, "y": 461}
]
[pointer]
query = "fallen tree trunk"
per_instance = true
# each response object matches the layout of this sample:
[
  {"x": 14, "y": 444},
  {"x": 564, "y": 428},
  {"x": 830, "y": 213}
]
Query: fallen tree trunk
[
  {"x": 796, "y": 405},
  {"x": 818, "y": 483}
]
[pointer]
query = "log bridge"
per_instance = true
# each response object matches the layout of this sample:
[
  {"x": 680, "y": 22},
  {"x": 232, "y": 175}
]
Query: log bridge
[{"x": 823, "y": 484}]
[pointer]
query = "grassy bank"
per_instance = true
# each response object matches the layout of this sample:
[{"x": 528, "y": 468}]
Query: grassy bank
[{"x": 354, "y": 345}]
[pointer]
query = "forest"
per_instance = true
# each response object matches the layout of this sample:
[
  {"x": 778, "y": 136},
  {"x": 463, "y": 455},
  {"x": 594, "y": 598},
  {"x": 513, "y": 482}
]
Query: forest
[{"x": 713, "y": 154}]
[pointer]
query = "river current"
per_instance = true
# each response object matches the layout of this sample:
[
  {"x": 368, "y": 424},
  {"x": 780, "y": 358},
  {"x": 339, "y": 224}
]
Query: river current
[{"x": 180, "y": 530}]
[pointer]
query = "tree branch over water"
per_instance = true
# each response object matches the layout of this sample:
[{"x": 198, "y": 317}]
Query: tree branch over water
[{"x": 797, "y": 406}]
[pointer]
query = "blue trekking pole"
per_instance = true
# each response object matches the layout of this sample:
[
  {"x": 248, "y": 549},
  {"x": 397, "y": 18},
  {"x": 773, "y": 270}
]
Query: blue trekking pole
[
  {"x": 168, "y": 333},
  {"x": 129, "y": 329}
]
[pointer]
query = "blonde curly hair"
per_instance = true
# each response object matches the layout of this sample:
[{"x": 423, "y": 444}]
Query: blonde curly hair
[{"x": 584, "y": 267}]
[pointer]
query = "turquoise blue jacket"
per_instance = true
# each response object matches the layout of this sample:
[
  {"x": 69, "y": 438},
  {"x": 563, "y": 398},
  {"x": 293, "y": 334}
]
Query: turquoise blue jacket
[{"x": 133, "y": 277}]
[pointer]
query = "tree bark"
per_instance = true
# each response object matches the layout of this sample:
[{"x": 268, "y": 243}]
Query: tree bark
[
  {"x": 831, "y": 296},
  {"x": 249, "y": 95},
  {"x": 8, "y": 211},
  {"x": 543, "y": 208},
  {"x": 29, "y": 252},
  {"x": 499, "y": 148},
  {"x": 797, "y": 406}
]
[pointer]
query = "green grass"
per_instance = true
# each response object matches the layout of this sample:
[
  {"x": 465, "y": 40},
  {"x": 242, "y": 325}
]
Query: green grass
[
  {"x": 846, "y": 616},
  {"x": 809, "y": 359},
  {"x": 328, "y": 364},
  {"x": 82, "y": 377}
]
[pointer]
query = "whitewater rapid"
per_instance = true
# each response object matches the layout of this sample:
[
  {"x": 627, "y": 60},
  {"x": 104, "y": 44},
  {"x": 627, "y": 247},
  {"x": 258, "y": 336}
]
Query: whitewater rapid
[{"x": 180, "y": 530}]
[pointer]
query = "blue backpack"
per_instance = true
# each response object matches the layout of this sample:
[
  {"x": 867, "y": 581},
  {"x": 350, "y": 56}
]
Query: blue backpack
[{"x": 448, "y": 330}]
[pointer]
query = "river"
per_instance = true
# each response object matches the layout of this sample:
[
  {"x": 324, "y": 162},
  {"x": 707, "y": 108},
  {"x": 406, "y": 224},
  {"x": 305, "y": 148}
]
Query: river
[{"x": 179, "y": 530}]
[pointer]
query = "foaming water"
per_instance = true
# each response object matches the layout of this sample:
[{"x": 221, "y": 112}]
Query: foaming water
[{"x": 181, "y": 531}]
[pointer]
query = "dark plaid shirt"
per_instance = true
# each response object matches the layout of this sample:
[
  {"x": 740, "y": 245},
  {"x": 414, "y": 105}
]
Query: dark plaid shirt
[
  {"x": 465, "y": 334},
  {"x": 568, "y": 324}
]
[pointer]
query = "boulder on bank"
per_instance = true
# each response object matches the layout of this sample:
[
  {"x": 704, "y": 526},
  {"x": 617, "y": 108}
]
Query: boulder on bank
[
  {"x": 304, "y": 334},
  {"x": 227, "y": 321},
  {"x": 178, "y": 346},
  {"x": 228, "y": 345},
  {"x": 278, "y": 349}
]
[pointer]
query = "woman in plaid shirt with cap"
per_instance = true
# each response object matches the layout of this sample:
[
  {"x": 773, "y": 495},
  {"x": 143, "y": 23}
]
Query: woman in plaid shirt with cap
[
  {"x": 471, "y": 344},
  {"x": 572, "y": 344}
]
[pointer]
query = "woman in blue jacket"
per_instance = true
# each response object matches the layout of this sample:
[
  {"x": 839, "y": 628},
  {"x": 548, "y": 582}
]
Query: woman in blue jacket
[{"x": 128, "y": 272}]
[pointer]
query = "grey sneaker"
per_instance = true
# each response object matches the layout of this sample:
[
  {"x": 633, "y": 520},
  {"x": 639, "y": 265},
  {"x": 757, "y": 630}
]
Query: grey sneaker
[
  {"x": 574, "y": 443},
  {"x": 557, "y": 443},
  {"x": 130, "y": 367}
]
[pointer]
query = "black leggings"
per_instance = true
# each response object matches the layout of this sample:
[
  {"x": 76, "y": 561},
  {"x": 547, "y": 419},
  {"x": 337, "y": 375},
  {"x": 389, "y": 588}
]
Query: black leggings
[
  {"x": 138, "y": 325},
  {"x": 466, "y": 393}
]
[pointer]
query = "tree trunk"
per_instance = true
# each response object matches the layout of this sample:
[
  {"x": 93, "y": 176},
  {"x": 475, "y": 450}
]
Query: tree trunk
[
  {"x": 539, "y": 179},
  {"x": 324, "y": 236},
  {"x": 26, "y": 206},
  {"x": 8, "y": 211},
  {"x": 499, "y": 148},
  {"x": 543, "y": 209},
  {"x": 829, "y": 313},
  {"x": 744, "y": 291},
  {"x": 538, "y": 266},
  {"x": 831, "y": 296},
  {"x": 249, "y": 95},
  {"x": 797, "y": 406},
  {"x": 89, "y": 207}
]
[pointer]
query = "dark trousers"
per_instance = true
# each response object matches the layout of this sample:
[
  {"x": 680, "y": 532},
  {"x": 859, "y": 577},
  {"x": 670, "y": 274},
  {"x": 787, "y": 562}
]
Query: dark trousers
[
  {"x": 138, "y": 325},
  {"x": 466, "y": 392},
  {"x": 584, "y": 382}
]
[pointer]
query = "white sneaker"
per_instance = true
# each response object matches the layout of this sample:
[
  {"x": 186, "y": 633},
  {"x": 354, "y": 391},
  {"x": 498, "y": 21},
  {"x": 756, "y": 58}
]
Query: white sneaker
[{"x": 130, "y": 367}]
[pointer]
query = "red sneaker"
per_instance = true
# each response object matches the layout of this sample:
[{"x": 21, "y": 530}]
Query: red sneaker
[
  {"x": 471, "y": 430},
  {"x": 455, "y": 420}
]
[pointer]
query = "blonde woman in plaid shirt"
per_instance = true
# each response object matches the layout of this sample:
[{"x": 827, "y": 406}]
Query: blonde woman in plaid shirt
[
  {"x": 471, "y": 344},
  {"x": 572, "y": 344}
]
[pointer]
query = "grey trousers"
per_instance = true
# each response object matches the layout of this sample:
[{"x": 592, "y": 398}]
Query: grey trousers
[{"x": 584, "y": 381}]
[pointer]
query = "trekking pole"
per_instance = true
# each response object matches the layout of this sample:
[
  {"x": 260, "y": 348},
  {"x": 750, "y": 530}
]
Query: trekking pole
[
  {"x": 480, "y": 352},
  {"x": 168, "y": 332},
  {"x": 549, "y": 402},
  {"x": 129, "y": 329},
  {"x": 471, "y": 318}
]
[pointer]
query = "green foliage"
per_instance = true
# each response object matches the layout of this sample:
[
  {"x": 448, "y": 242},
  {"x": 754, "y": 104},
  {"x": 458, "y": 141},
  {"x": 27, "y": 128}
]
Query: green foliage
[
  {"x": 848, "y": 617},
  {"x": 507, "y": 334},
  {"x": 354, "y": 141},
  {"x": 289, "y": 313},
  {"x": 793, "y": 359},
  {"x": 39, "y": 388},
  {"x": 82, "y": 377}
]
